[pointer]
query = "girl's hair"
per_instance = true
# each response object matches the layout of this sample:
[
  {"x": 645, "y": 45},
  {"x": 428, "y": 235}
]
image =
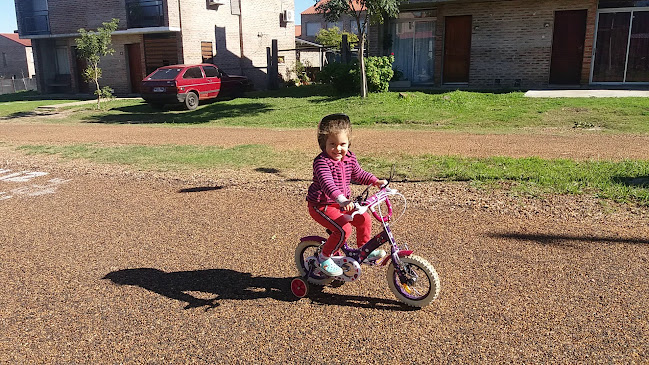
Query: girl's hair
[{"x": 333, "y": 123}]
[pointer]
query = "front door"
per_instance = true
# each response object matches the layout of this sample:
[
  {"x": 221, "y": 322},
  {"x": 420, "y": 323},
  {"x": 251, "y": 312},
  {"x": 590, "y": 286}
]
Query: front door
[
  {"x": 457, "y": 49},
  {"x": 135, "y": 67},
  {"x": 568, "y": 47},
  {"x": 80, "y": 66}
]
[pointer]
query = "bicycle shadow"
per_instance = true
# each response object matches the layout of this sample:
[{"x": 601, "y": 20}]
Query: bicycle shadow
[{"x": 233, "y": 285}]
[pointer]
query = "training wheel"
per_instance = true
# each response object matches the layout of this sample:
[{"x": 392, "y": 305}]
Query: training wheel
[{"x": 299, "y": 287}]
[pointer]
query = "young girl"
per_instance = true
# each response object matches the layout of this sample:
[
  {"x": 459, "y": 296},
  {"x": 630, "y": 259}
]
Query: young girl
[{"x": 333, "y": 171}]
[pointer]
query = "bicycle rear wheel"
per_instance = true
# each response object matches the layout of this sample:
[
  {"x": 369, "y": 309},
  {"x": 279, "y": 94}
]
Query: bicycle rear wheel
[
  {"x": 303, "y": 251},
  {"x": 421, "y": 286}
]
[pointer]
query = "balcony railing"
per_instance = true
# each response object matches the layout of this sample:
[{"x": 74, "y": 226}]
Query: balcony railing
[
  {"x": 36, "y": 22},
  {"x": 144, "y": 13}
]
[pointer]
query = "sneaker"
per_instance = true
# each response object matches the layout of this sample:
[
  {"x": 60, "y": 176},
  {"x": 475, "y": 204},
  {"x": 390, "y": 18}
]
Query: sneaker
[
  {"x": 330, "y": 268},
  {"x": 376, "y": 255}
]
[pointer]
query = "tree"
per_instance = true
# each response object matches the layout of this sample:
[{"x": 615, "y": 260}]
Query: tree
[
  {"x": 92, "y": 46},
  {"x": 333, "y": 37},
  {"x": 365, "y": 12}
]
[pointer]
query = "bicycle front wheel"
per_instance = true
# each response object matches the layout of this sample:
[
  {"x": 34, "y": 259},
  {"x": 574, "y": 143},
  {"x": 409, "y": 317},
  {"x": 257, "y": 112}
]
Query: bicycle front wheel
[{"x": 421, "y": 286}]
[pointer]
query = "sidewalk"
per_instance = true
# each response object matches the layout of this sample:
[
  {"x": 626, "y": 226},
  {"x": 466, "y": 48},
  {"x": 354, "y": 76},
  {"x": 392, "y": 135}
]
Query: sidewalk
[
  {"x": 82, "y": 102},
  {"x": 586, "y": 93}
]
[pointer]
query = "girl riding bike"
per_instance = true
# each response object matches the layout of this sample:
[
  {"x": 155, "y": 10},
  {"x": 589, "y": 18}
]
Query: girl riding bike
[{"x": 329, "y": 195}]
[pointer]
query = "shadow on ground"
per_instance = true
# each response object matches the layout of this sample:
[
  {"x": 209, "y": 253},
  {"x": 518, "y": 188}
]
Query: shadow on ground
[
  {"x": 564, "y": 240},
  {"x": 143, "y": 114},
  {"x": 233, "y": 285},
  {"x": 638, "y": 181}
]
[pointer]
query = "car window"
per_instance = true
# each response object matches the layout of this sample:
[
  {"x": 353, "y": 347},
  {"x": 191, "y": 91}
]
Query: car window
[
  {"x": 193, "y": 73},
  {"x": 211, "y": 71},
  {"x": 165, "y": 74}
]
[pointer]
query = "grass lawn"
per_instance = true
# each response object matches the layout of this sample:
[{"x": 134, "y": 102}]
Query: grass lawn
[
  {"x": 23, "y": 103},
  {"x": 474, "y": 112},
  {"x": 626, "y": 181}
]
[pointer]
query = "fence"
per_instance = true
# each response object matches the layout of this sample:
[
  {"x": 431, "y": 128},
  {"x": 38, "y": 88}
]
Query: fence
[{"x": 9, "y": 86}]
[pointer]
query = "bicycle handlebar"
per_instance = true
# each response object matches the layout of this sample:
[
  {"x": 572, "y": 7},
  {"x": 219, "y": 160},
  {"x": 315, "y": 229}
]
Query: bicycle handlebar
[{"x": 381, "y": 196}]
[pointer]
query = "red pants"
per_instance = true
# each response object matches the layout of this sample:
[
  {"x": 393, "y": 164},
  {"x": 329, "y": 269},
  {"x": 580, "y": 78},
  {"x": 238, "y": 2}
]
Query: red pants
[{"x": 332, "y": 218}]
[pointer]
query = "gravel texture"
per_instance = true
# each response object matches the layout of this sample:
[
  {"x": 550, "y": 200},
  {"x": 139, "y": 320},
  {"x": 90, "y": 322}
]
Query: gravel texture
[{"x": 123, "y": 266}]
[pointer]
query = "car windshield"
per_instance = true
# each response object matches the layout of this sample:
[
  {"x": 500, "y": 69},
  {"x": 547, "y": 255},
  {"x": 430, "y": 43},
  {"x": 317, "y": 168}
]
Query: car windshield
[{"x": 165, "y": 74}]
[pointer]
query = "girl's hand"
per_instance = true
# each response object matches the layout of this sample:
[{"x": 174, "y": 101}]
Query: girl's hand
[
  {"x": 379, "y": 183},
  {"x": 348, "y": 208}
]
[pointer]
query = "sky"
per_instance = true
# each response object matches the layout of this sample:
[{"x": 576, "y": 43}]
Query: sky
[
  {"x": 8, "y": 13},
  {"x": 8, "y": 16}
]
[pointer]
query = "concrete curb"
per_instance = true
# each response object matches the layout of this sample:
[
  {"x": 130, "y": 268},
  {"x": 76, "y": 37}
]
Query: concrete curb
[{"x": 587, "y": 93}]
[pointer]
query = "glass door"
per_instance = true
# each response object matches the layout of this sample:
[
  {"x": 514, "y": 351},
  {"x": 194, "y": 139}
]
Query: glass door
[
  {"x": 413, "y": 45},
  {"x": 622, "y": 47},
  {"x": 424, "y": 52}
]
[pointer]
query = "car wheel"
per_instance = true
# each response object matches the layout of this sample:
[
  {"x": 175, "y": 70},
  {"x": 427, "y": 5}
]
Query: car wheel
[{"x": 191, "y": 101}]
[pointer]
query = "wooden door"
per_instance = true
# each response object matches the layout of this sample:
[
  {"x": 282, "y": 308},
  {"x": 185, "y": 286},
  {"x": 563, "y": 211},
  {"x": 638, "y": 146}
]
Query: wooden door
[
  {"x": 80, "y": 66},
  {"x": 568, "y": 47},
  {"x": 457, "y": 49},
  {"x": 135, "y": 67}
]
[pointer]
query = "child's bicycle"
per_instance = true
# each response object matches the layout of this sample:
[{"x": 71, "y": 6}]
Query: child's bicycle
[{"x": 411, "y": 278}]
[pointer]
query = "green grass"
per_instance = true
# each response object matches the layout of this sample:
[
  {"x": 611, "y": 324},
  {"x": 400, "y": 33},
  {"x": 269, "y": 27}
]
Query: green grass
[
  {"x": 23, "y": 103},
  {"x": 625, "y": 181},
  {"x": 476, "y": 112}
]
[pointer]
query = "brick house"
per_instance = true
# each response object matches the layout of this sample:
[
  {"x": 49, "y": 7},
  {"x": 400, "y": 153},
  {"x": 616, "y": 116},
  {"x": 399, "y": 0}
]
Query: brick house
[
  {"x": 492, "y": 44},
  {"x": 518, "y": 43},
  {"x": 312, "y": 21},
  {"x": 17, "y": 60},
  {"x": 232, "y": 34}
]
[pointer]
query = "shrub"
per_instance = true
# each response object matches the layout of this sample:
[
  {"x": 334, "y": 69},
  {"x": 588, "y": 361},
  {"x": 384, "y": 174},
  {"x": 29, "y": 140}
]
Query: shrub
[
  {"x": 344, "y": 77},
  {"x": 379, "y": 73}
]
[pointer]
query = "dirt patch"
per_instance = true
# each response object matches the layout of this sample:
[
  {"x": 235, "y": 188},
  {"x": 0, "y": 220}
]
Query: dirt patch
[{"x": 125, "y": 266}]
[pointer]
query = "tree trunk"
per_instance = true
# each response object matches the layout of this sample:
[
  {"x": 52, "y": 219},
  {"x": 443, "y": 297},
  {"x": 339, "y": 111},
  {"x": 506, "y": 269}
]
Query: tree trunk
[
  {"x": 361, "y": 60},
  {"x": 97, "y": 87}
]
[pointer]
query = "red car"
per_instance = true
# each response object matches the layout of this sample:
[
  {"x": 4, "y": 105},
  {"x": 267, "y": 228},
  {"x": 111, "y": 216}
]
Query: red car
[{"x": 187, "y": 84}]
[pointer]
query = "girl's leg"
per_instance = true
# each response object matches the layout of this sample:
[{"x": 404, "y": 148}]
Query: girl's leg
[
  {"x": 330, "y": 217},
  {"x": 363, "y": 224}
]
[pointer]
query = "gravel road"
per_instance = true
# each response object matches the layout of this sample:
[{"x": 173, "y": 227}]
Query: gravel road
[{"x": 102, "y": 264}]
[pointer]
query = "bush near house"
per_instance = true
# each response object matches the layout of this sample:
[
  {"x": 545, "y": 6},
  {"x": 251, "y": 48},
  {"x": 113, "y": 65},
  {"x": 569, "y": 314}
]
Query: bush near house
[{"x": 345, "y": 77}]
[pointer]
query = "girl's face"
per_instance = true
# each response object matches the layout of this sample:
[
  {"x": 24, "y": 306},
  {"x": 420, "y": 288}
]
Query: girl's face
[{"x": 337, "y": 145}]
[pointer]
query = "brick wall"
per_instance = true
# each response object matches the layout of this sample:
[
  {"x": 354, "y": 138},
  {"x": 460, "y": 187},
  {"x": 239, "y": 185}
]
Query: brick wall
[
  {"x": 510, "y": 40},
  {"x": 260, "y": 25},
  {"x": 67, "y": 16},
  {"x": 16, "y": 57}
]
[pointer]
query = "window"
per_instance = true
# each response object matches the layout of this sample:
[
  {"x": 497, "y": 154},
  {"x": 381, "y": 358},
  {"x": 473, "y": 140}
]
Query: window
[
  {"x": 193, "y": 73},
  {"x": 338, "y": 25},
  {"x": 62, "y": 61},
  {"x": 165, "y": 74},
  {"x": 353, "y": 26},
  {"x": 4, "y": 59},
  {"x": 312, "y": 29},
  {"x": 206, "y": 52},
  {"x": 211, "y": 71}
]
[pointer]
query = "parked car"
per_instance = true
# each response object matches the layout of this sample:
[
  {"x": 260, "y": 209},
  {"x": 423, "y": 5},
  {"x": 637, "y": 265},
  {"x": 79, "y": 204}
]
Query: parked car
[{"x": 188, "y": 84}]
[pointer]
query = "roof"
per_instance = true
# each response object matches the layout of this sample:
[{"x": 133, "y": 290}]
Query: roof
[
  {"x": 312, "y": 9},
  {"x": 14, "y": 37},
  {"x": 298, "y": 30}
]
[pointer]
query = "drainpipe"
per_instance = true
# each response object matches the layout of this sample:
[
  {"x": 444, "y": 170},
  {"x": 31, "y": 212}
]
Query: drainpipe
[
  {"x": 179, "y": 42},
  {"x": 240, "y": 40}
]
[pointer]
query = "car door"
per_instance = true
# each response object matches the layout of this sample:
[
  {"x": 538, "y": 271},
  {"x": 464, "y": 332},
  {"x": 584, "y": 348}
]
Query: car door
[
  {"x": 213, "y": 80},
  {"x": 194, "y": 80}
]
